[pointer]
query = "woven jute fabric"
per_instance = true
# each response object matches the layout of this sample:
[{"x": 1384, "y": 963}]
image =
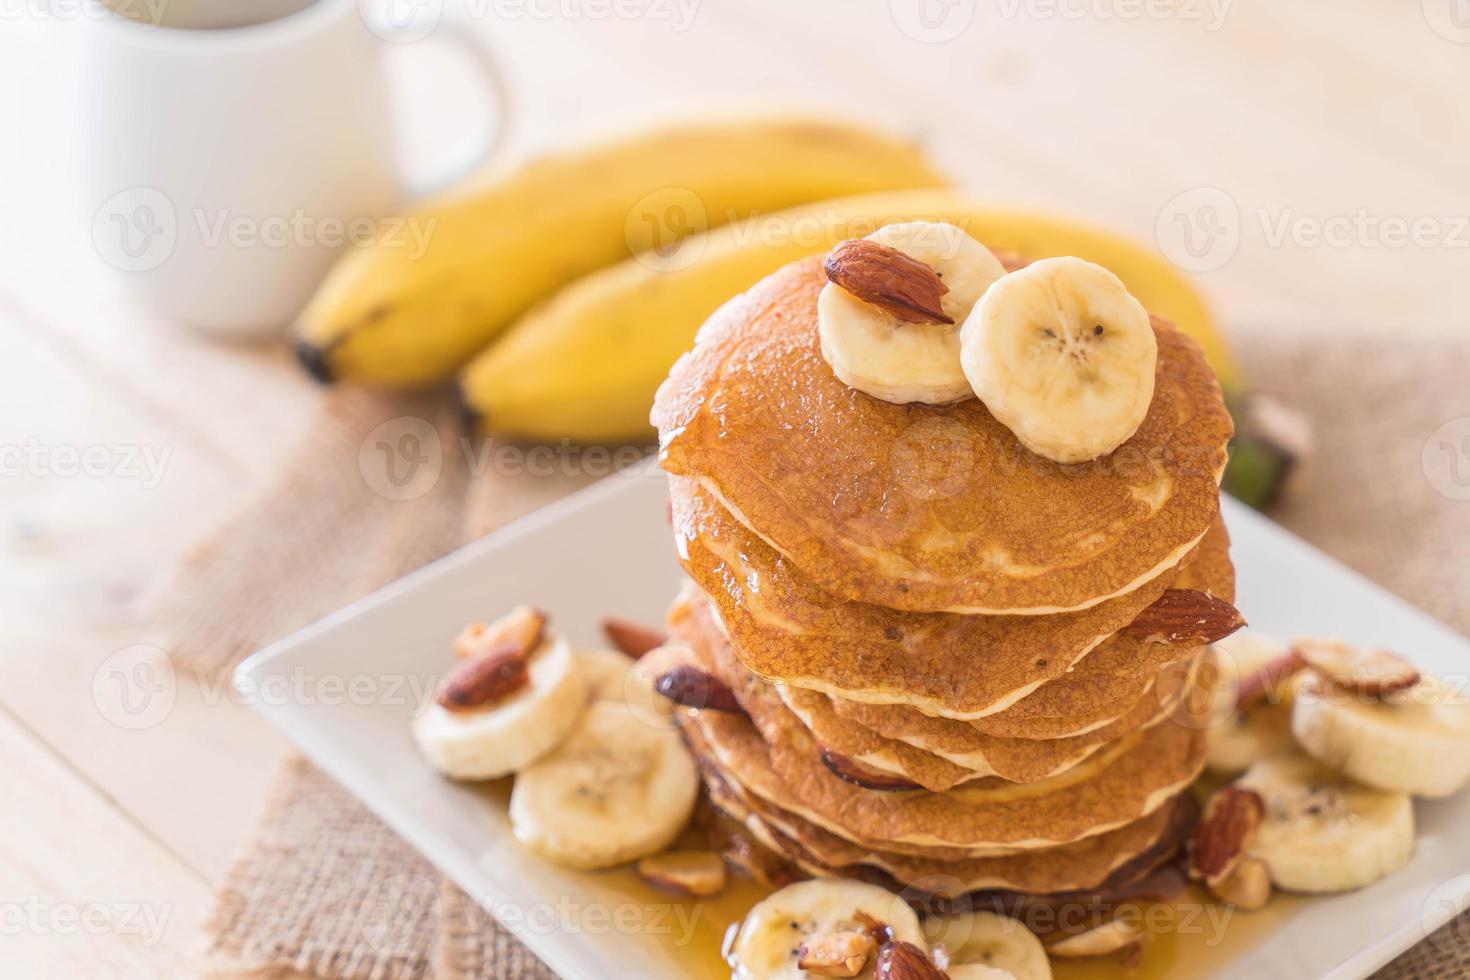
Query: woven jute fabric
[{"x": 325, "y": 890}]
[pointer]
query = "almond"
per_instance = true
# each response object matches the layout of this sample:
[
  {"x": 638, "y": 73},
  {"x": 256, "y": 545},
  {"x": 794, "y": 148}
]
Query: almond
[
  {"x": 1374, "y": 673},
  {"x": 1268, "y": 680},
  {"x": 1186, "y": 615},
  {"x": 898, "y": 960},
  {"x": 632, "y": 638},
  {"x": 521, "y": 628},
  {"x": 484, "y": 680},
  {"x": 860, "y": 775},
  {"x": 697, "y": 873},
  {"x": 1109, "y": 937},
  {"x": 881, "y": 932},
  {"x": 900, "y": 285},
  {"x": 1222, "y": 835},
  {"x": 1247, "y": 887},
  {"x": 694, "y": 687},
  {"x": 835, "y": 954}
]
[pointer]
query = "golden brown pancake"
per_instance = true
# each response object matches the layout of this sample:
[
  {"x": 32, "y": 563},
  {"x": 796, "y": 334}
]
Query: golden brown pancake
[
  {"x": 1091, "y": 699},
  {"x": 1125, "y": 782},
  {"x": 1015, "y": 760},
  {"x": 1084, "y": 864},
  {"x": 785, "y": 628},
  {"x": 922, "y": 507}
]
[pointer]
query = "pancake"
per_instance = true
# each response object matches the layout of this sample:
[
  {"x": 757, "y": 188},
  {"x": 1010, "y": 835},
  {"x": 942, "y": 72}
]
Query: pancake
[
  {"x": 928, "y": 508},
  {"x": 1085, "y": 864},
  {"x": 1127, "y": 781},
  {"x": 1092, "y": 699},
  {"x": 1017, "y": 760},
  {"x": 785, "y": 628}
]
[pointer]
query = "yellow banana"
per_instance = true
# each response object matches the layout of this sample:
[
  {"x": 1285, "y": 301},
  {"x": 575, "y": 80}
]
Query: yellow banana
[
  {"x": 406, "y": 314},
  {"x": 584, "y": 365}
]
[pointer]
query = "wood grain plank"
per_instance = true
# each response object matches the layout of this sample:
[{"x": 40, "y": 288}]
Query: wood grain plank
[{"x": 86, "y": 892}]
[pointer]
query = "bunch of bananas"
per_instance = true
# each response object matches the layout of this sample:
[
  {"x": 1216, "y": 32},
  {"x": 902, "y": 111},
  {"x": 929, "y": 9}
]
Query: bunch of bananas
[{"x": 557, "y": 294}]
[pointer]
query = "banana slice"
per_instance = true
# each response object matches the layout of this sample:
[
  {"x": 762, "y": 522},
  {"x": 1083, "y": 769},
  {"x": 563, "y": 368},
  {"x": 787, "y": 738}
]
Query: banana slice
[
  {"x": 1415, "y": 741},
  {"x": 875, "y": 352},
  {"x": 977, "y": 971},
  {"x": 615, "y": 676},
  {"x": 1323, "y": 832},
  {"x": 606, "y": 672},
  {"x": 986, "y": 940},
  {"x": 617, "y": 789},
  {"x": 766, "y": 945},
  {"x": 1062, "y": 355},
  {"x": 498, "y": 739},
  {"x": 1248, "y": 734}
]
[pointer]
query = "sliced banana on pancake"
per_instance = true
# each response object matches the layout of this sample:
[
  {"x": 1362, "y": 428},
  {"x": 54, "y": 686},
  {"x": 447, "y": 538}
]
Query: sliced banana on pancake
[
  {"x": 779, "y": 930},
  {"x": 1322, "y": 831},
  {"x": 502, "y": 737},
  {"x": 1416, "y": 741},
  {"x": 1064, "y": 356},
  {"x": 982, "y": 940},
  {"x": 895, "y": 351},
  {"x": 617, "y": 789}
]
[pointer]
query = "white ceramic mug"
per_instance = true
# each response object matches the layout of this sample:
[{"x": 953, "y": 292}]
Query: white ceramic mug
[{"x": 227, "y": 163}]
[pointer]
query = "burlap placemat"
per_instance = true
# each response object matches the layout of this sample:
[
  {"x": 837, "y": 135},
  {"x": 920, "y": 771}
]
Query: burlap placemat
[{"x": 326, "y": 891}]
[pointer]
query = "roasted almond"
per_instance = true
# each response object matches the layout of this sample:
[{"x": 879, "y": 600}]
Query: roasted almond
[
  {"x": 484, "y": 680},
  {"x": 1268, "y": 680},
  {"x": 632, "y": 638},
  {"x": 898, "y": 960},
  {"x": 898, "y": 284},
  {"x": 835, "y": 954},
  {"x": 694, "y": 687},
  {"x": 697, "y": 873},
  {"x": 1186, "y": 616},
  {"x": 1220, "y": 838},
  {"x": 521, "y": 628},
  {"x": 860, "y": 775},
  {"x": 1371, "y": 672},
  {"x": 881, "y": 932},
  {"x": 1247, "y": 887}
]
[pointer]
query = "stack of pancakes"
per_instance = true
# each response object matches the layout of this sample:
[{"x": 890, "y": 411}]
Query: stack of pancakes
[{"x": 960, "y": 664}]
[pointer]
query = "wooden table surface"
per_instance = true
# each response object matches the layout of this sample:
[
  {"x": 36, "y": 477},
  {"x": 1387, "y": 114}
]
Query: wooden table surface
[{"x": 1315, "y": 114}]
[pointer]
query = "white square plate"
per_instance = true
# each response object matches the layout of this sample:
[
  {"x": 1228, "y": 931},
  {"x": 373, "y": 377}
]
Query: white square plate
[{"x": 607, "y": 551}]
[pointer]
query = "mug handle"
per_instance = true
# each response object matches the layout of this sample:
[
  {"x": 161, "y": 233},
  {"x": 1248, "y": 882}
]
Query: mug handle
[{"x": 463, "y": 37}]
